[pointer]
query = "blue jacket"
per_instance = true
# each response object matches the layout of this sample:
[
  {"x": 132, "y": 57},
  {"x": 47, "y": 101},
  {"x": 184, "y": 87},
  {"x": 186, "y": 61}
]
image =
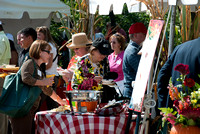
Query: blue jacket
[
  {"x": 186, "y": 53},
  {"x": 130, "y": 65}
]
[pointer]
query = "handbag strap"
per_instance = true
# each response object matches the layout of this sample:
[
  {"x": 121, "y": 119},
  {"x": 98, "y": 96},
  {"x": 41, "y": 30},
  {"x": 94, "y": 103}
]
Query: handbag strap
[{"x": 34, "y": 64}]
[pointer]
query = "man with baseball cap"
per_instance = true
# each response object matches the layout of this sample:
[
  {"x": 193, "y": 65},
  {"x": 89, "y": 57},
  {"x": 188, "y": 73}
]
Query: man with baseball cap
[{"x": 137, "y": 34}]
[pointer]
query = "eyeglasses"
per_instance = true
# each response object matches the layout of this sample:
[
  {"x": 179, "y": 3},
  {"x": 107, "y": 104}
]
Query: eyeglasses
[{"x": 46, "y": 51}]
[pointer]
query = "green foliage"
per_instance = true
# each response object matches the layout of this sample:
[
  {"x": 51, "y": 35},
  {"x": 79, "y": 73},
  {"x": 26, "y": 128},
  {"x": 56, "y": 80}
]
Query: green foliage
[
  {"x": 128, "y": 19},
  {"x": 168, "y": 110},
  {"x": 56, "y": 32}
]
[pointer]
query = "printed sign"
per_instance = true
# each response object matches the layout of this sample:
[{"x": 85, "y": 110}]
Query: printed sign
[{"x": 148, "y": 52}]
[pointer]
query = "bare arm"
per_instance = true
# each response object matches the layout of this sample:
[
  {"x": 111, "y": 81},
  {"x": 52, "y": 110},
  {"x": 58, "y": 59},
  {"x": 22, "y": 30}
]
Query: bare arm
[{"x": 56, "y": 98}]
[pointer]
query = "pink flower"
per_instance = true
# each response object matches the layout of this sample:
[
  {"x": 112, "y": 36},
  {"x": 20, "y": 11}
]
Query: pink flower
[
  {"x": 183, "y": 69},
  {"x": 87, "y": 84},
  {"x": 171, "y": 118}
]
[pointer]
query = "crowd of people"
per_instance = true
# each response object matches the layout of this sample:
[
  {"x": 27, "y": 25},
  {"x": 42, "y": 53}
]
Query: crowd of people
[
  {"x": 38, "y": 47},
  {"x": 101, "y": 55}
]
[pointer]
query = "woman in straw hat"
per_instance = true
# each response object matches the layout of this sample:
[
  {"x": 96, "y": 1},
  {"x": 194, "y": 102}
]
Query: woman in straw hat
[{"x": 81, "y": 45}]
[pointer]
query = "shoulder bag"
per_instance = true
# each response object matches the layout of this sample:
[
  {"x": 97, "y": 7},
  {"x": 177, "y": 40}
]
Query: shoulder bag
[{"x": 17, "y": 97}]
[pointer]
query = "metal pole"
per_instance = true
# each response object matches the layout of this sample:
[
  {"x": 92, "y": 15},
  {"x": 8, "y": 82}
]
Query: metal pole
[{"x": 172, "y": 29}]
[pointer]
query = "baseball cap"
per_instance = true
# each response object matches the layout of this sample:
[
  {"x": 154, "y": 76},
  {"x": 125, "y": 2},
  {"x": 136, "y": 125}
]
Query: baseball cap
[
  {"x": 137, "y": 28},
  {"x": 103, "y": 46},
  {"x": 10, "y": 36}
]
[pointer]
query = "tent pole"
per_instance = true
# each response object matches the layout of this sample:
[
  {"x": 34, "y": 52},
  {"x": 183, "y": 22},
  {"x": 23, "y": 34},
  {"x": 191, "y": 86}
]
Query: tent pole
[{"x": 172, "y": 30}]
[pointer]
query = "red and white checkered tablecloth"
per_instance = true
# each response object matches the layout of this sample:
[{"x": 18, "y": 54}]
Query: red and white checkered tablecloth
[{"x": 56, "y": 123}]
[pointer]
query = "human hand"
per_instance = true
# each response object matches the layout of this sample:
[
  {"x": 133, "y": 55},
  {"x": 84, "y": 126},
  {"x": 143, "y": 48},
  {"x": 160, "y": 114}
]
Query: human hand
[
  {"x": 62, "y": 102},
  {"x": 48, "y": 81},
  {"x": 67, "y": 75}
]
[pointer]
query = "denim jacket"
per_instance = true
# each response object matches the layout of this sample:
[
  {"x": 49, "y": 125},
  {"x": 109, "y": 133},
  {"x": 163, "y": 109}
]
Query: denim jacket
[{"x": 130, "y": 65}]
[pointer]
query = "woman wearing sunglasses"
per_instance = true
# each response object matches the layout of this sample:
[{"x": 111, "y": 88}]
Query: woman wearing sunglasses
[
  {"x": 32, "y": 75},
  {"x": 43, "y": 33},
  {"x": 118, "y": 44}
]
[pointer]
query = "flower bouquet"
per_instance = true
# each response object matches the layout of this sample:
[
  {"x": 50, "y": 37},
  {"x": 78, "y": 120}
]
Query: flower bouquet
[
  {"x": 186, "y": 100},
  {"x": 84, "y": 78},
  {"x": 87, "y": 87}
]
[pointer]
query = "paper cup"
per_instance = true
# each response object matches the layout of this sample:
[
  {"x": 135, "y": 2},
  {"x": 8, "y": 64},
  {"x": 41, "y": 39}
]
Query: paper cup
[{"x": 50, "y": 75}]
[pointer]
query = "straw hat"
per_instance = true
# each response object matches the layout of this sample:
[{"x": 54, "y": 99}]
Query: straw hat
[{"x": 79, "y": 40}]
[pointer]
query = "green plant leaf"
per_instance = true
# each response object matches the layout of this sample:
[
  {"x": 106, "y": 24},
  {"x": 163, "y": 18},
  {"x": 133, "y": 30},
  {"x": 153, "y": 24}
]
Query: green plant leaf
[{"x": 191, "y": 122}]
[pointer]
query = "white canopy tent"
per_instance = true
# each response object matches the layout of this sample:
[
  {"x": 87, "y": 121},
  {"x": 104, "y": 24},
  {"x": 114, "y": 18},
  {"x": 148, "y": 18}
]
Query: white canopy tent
[
  {"x": 133, "y": 5},
  {"x": 18, "y": 14}
]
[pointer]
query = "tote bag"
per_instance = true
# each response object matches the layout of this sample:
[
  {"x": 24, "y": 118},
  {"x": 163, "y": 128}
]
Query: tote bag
[{"x": 17, "y": 98}]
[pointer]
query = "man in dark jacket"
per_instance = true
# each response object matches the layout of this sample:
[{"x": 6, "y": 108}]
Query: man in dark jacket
[
  {"x": 131, "y": 59},
  {"x": 186, "y": 53}
]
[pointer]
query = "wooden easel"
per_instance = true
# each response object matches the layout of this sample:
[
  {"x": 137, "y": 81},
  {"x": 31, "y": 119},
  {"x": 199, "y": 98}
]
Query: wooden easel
[{"x": 154, "y": 30}]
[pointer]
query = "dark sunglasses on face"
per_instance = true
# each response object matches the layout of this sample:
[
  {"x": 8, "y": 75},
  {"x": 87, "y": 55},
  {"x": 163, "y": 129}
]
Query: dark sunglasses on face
[{"x": 46, "y": 51}]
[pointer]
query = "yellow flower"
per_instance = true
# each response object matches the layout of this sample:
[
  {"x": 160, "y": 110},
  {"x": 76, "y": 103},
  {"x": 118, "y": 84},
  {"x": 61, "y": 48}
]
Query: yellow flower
[
  {"x": 198, "y": 105},
  {"x": 194, "y": 101},
  {"x": 95, "y": 88},
  {"x": 86, "y": 60},
  {"x": 101, "y": 66},
  {"x": 192, "y": 95},
  {"x": 80, "y": 80}
]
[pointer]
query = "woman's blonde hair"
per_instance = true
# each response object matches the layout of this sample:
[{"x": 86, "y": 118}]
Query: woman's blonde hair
[
  {"x": 45, "y": 30},
  {"x": 38, "y": 46}
]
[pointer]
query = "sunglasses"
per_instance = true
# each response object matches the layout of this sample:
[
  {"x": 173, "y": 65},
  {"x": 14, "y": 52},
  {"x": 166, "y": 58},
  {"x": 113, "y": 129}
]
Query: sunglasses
[{"x": 46, "y": 51}]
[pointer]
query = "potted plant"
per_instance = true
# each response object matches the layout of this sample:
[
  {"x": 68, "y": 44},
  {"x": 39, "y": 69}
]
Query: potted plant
[{"x": 185, "y": 114}]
